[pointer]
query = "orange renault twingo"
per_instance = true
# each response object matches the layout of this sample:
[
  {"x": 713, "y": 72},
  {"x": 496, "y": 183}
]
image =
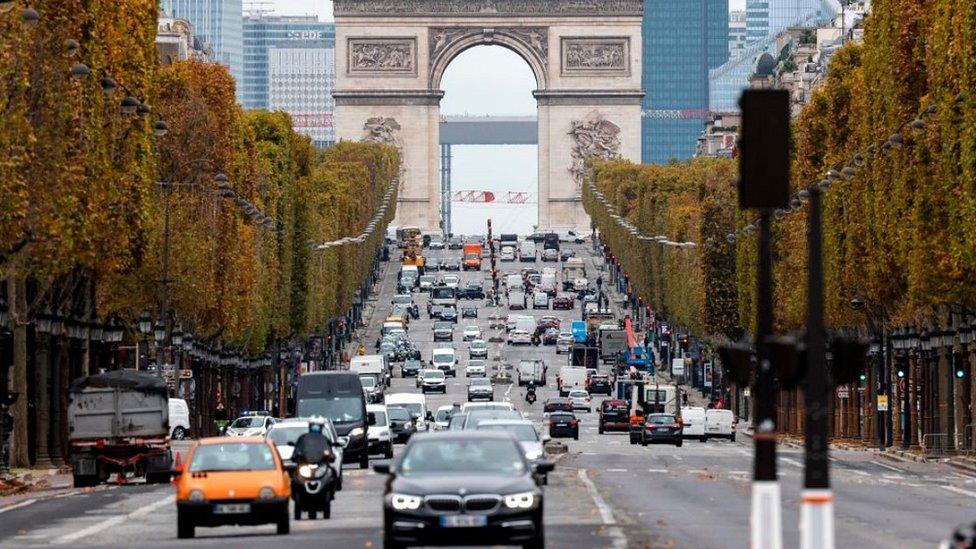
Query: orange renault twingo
[{"x": 231, "y": 480}]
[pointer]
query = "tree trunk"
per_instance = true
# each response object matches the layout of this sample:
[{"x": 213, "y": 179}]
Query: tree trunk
[{"x": 17, "y": 290}]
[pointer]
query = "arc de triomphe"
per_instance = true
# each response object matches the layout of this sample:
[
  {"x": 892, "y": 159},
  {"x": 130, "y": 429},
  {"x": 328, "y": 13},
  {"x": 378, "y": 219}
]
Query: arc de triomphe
[{"x": 585, "y": 54}]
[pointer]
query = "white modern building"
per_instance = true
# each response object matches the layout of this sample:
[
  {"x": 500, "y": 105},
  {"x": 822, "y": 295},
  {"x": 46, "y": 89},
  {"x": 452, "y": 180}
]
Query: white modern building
[
  {"x": 300, "y": 80},
  {"x": 737, "y": 32}
]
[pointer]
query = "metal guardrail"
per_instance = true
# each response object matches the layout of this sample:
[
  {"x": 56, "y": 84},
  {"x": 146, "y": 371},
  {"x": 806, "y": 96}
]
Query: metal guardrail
[
  {"x": 937, "y": 445},
  {"x": 967, "y": 444}
]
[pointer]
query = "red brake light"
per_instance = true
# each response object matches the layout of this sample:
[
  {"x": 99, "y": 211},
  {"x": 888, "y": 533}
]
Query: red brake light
[
  {"x": 676, "y": 425},
  {"x": 572, "y": 422}
]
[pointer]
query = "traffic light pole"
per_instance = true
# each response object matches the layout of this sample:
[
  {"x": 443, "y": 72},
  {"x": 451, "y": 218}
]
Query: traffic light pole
[
  {"x": 817, "y": 509},
  {"x": 766, "y": 512}
]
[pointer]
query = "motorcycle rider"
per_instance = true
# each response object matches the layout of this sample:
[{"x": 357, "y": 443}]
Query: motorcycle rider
[
  {"x": 530, "y": 393},
  {"x": 311, "y": 446}
]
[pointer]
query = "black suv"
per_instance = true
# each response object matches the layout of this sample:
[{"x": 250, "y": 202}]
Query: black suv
[{"x": 471, "y": 290}]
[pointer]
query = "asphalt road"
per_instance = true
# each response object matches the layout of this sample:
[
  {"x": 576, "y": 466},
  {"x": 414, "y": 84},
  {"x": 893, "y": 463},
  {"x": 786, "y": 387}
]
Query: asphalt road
[{"x": 604, "y": 492}]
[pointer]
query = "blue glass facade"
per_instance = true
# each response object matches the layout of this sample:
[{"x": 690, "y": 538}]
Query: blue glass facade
[
  {"x": 682, "y": 41},
  {"x": 219, "y": 23},
  {"x": 263, "y": 33}
]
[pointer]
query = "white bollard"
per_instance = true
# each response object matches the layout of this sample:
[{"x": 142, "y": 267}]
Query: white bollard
[
  {"x": 817, "y": 519},
  {"x": 766, "y": 519}
]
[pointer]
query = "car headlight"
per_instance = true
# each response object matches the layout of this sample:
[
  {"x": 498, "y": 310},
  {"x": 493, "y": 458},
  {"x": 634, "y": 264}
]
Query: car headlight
[
  {"x": 305, "y": 470},
  {"x": 357, "y": 432},
  {"x": 266, "y": 493},
  {"x": 197, "y": 495},
  {"x": 533, "y": 455},
  {"x": 524, "y": 500},
  {"x": 402, "y": 502}
]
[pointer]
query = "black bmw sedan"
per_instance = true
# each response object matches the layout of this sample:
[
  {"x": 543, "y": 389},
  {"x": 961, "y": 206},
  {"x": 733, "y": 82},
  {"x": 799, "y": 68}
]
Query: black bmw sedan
[{"x": 462, "y": 488}]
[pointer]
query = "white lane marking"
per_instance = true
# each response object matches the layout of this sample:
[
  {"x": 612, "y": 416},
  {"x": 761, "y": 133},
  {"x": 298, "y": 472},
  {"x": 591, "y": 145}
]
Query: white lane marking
[
  {"x": 745, "y": 453},
  {"x": 619, "y": 540},
  {"x": 616, "y": 470},
  {"x": 739, "y": 472},
  {"x": 18, "y": 505},
  {"x": 696, "y": 471},
  {"x": 792, "y": 462},
  {"x": 679, "y": 458},
  {"x": 115, "y": 521},
  {"x": 657, "y": 470},
  {"x": 856, "y": 472},
  {"x": 606, "y": 514},
  {"x": 889, "y": 467},
  {"x": 961, "y": 491}
]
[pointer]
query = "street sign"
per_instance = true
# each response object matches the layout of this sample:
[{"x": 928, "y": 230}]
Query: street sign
[
  {"x": 708, "y": 375},
  {"x": 677, "y": 366},
  {"x": 882, "y": 403},
  {"x": 843, "y": 392},
  {"x": 186, "y": 374}
]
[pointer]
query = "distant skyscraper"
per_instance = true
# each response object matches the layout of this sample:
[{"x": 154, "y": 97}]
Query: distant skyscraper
[
  {"x": 301, "y": 77},
  {"x": 289, "y": 65},
  {"x": 682, "y": 41},
  {"x": 768, "y": 17},
  {"x": 737, "y": 32},
  {"x": 219, "y": 23},
  {"x": 264, "y": 31}
]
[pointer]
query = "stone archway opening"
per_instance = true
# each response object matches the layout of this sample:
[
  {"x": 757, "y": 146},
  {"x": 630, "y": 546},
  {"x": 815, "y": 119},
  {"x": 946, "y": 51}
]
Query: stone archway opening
[{"x": 489, "y": 141}]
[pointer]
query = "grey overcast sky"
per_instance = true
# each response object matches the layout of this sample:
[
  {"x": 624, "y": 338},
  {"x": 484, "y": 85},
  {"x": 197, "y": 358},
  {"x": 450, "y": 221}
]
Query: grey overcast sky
[{"x": 482, "y": 80}]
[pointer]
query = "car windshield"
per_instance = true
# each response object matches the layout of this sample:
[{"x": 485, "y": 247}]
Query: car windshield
[
  {"x": 340, "y": 409},
  {"x": 246, "y": 456},
  {"x": 247, "y": 422},
  {"x": 380, "y": 417},
  {"x": 522, "y": 432},
  {"x": 440, "y": 457},
  {"x": 434, "y": 376},
  {"x": 660, "y": 419},
  {"x": 412, "y": 408},
  {"x": 412, "y": 363},
  {"x": 443, "y": 357},
  {"x": 575, "y": 394},
  {"x": 443, "y": 415},
  {"x": 476, "y": 363},
  {"x": 451, "y": 279},
  {"x": 471, "y": 329},
  {"x": 481, "y": 381},
  {"x": 478, "y": 344},
  {"x": 443, "y": 325},
  {"x": 285, "y": 434},
  {"x": 427, "y": 278},
  {"x": 561, "y": 416},
  {"x": 402, "y": 300},
  {"x": 398, "y": 413}
]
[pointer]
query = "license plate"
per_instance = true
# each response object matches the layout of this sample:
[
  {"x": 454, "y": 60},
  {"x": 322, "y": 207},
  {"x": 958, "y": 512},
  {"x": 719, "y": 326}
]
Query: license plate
[
  {"x": 463, "y": 521},
  {"x": 662, "y": 429},
  {"x": 713, "y": 429},
  {"x": 232, "y": 508}
]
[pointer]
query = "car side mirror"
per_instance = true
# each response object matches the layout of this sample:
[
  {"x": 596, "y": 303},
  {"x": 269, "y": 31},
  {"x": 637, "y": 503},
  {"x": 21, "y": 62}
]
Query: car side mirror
[
  {"x": 337, "y": 444},
  {"x": 546, "y": 438},
  {"x": 543, "y": 466},
  {"x": 383, "y": 468},
  {"x": 289, "y": 466},
  {"x": 370, "y": 418},
  {"x": 429, "y": 416},
  {"x": 290, "y": 443}
]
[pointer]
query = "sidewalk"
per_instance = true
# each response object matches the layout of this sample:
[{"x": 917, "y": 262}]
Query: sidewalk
[{"x": 27, "y": 484}]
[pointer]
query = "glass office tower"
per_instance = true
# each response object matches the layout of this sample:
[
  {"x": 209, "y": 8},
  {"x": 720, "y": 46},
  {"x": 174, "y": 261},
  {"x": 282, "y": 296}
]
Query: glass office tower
[
  {"x": 682, "y": 41},
  {"x": 219, "y": 23}
]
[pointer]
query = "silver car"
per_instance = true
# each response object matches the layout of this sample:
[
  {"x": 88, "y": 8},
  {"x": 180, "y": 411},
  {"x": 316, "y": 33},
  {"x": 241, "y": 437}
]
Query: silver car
[{"x": 533, "y": 445}]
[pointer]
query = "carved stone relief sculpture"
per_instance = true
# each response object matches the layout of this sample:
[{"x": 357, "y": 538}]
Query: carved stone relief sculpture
[
  {"x": 589, "y": 56},
  {"x": 386, "y": 130},
  {"x": 534, "y": 38},
  {"x": 382, "y": 55},
  {"x": 488, "y": 7},
  {"x": 594, "y": 138}
]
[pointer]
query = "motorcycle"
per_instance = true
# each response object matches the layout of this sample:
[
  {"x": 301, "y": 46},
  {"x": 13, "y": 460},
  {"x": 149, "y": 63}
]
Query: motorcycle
[
  {"x": 313, "y": 487},
  {"x": 530, "y": 397}
]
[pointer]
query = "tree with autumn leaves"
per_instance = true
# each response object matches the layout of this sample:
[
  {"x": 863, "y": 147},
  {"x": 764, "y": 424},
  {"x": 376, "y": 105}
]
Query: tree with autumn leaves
[{"x": 900, "y": 234}]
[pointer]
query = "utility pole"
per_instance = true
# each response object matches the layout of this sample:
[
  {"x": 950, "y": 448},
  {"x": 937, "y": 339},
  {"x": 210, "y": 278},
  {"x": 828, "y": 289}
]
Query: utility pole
[
  {"x": 764, "y": 185},
  {"x": 817, "y": 509}
]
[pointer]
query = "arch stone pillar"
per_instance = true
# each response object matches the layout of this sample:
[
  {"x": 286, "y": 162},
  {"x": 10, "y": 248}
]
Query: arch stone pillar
[{"x": 585, "y": 55}]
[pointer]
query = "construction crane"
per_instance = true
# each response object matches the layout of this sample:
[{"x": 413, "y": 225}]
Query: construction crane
[{"x": 511, "y": 197}]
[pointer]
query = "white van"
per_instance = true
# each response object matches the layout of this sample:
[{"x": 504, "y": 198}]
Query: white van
[
  {"x": 548, "y": 284},
  {"x": 527, "y": 251},
  {"x": 720, "y": 423},
  {"x": 571, "y": 377},
  {"x": 693, "y": 419},
  {"x": 514, "y": 282},
  {"x": 179, "y": 419},
  {"x": 526, "y": 324},
  {"x": 444, "y": 359},
  {"x": 374, "y": 365},
  {"x": 540, "y": 300},
  {"x": 416, "y": 404}
]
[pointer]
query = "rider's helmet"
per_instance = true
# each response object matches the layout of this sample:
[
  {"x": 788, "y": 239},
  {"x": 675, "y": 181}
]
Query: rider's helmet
[{"x": 316, "y": 424}]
